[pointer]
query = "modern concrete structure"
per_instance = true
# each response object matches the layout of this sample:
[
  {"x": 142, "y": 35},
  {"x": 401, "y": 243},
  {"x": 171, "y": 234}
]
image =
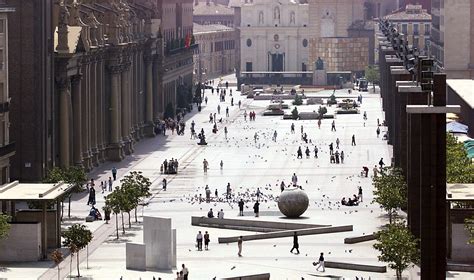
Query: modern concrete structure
[
  {"x": 215, "y": 55},
  {"x": 7, "y": 147},
  {"x": 135, "y": 256},
  {"x": 23, "y": 243},
  {"x": 160, "y": 243},
  {"x": 452, "y": 38},
  {"x": 293, "y": 202},
  {"x": 415, "y": 23}
]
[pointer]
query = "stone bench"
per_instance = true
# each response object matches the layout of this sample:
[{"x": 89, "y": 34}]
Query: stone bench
[
  {"x": 221, "y": 223},
  {"x": 263, "y": 276},
  {"x": 358, "y": 267},
  {"x": 358, "y": 239},
  {"x": 287, "y": 233}
]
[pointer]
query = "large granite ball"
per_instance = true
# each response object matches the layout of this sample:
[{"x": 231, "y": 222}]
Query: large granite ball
[{"x": 293, "y": 202}]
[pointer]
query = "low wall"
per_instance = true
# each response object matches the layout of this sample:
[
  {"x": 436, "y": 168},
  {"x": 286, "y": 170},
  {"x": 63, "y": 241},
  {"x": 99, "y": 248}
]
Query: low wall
[
  {"x": 35, "y": 216},
  {"x": 221, "y": 223},
  {"x": 359, "y": 267},
  {"x": 358, "y": 239},
  {"x": 287, "y": 233},
  {"x": 23, "y": 243},
  {"x": 264, "y": 276}
]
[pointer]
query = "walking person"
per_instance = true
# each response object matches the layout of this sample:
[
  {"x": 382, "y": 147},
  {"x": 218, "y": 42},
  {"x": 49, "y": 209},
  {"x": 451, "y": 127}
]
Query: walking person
[
  {"x": 219, "y": 109},
  {"x": 333, "y": 126},
  {"x": 240, "y": 103},
  {"x": 245, "y": 115},
  {"x": 353, "y": 140},
  {"x": 294, "y": 179},
  {"x": 299, "y": 153},
  {"x": 315, "y": 152},
  {"x": 206, "y": 241},
  {"x": 165, "y": 184},
  {"x": 110, "y": 184},
  {"x": 227, "y": 111},
  {"x": 239, "y": 245},
  {"x": 228, "y": 191},
  {"x": 337, "y": 143},
  {"x": 378, "y": 131},
  {"x": 292, "y": 128},
  {"x": 360, "y": 194},
  {"x": 199, "y": 241},
  {"x": 381, "y": 163},
  {"x": 320, "y": 262},
  {"x": 241, "y": 207},
  {"x": 319, "y": 123},
  {"x": 256, "y": 208},
  {"x": 91, "y": 200},
  {"x": 342, "y": 156},
  {"x": 114, "y": 173},
  {"x": 222, "y": 164},
  {"x": 205, "y": 164},
  {"x": 275, "y": 134},
  {"x": 225, "y": 132},
  {"x": 296, "y": 245}
]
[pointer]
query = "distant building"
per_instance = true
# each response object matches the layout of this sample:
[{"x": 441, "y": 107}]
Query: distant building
[
  {"x": 415, "y": 23},
  {"x": 460, "y": 92},
  {"x": 425, "y": 3},
  {"x": 452, "y": 38},
  {"x": 215, "y": 55},
  {"x": 364, "y": 29},
  {"x": 380, "y": 8},
  {"x": 210, "y": 12}
]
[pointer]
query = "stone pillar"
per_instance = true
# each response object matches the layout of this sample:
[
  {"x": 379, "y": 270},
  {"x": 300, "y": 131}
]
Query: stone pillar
[
  {"x": 93, "y": 112},
  {"x": 390, "y": 96},
  {"x": 141, "y": 100},
  {"x": 136, "y": 77},
  {"x": 77, "y": 120},
  {"x": 64, "y": 118},
  {"x": 156, "y": 92},
  {"x": 149, "y": 127},
  {"x": 131, "y": 96},
  {"x": 86, "y": 155},
  {"x": 115, "y": 147},
  {"x": 100, "y": 109},
  {"x": 125, "y": 105}
]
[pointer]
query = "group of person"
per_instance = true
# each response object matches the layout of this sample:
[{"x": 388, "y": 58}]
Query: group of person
[
  {"x": 169, "y": 167},
  {"x": 252, "y": 115},
  {"x": 199, "y": 238},
  {"x": 183, "y": 274},
  {"x": 355, "y": 200}
]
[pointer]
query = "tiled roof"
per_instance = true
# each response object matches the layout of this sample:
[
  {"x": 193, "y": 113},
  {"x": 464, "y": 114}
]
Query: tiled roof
[
  {"x": 411, "y": 13},
  {"x": 211, "y": 9},
  {"x": 200, "y": 28}
]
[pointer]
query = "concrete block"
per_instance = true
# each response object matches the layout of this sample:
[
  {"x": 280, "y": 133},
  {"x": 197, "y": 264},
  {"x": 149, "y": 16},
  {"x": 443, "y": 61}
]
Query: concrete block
[
  {"x": 173, "y": 246},
  {"x": 23, "y": 243},
  {"x": 262, "y": 276},
  {"x": 135, "y": 256},
  {"x": 359, "y": 267},
  {"x": 158, "y": 239},
  {"x": 248, "y": 224},
  {"x": 287, "y": 233},
  {"x": 358, "y": 239}
]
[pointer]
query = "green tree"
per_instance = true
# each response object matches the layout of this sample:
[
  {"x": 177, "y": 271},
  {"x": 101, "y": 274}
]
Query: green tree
[
  {"x": 459, "y": 168},
  {"x": 398, "y": 247},
  {"x": 136, "y": 188},
  {"x": 112, "y": 201},
  {"x": 4, "y": 225},
  {"x": 295, "y": 113},
  {"x": 76, "y": 238},
  {"x": 390, "y": 190},
  {"x": 298, "y": 100},
  {"x": 469, "y": 225},
  {"x": 57, "y": 257},
  {"x": 74, "y": 176},
  {"x": 372, "y": 75},
  {"x": 322, "y": 110}
]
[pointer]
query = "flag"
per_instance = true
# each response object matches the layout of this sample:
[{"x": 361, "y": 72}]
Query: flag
[{"x": 187, "y": 41}]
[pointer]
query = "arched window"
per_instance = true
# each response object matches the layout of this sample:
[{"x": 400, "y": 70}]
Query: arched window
[{"x": 260, "y": 17}]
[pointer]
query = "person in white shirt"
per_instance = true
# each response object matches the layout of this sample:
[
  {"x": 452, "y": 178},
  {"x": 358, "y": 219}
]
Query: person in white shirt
[{"x": 220, "y": 214}]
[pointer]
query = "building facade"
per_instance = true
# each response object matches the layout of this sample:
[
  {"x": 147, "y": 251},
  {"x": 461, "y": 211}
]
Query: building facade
[
  {"x": 274, "y": 36},
  {"x": 415, "y": 23},
  {"x": 452, "y": 38},
  {"x": 102, "y": 74},
  {"x": 211, "y": 12},
  {"x": 425, "y": 3},
  {"x": 215, "y": 55},
  {"x": 6, "y": 145}
]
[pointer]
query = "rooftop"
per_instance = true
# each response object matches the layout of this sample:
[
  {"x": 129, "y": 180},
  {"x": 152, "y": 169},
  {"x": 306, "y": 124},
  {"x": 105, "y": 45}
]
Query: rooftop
[
  {"x": 460, "y": 192},
  {"x": 211, "y": 9},
  {"x": 32, "y": 191},
  {"x": 199, "y": 28},
  {"x": 411, "y": 13},
  {"x": 464, "y": 88}
]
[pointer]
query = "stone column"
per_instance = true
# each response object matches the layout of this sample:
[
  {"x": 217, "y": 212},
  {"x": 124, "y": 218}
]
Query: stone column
[
  {"x": 64, "y": 117},
  {"x": 115, "y": 148},
  {"x": 149, "y": 127},
  {"x": 100, "y": 109},
  {"x": 77, "y": 120},
  {"x": 156, "y": 98},
  {"x": 85, "y": 115},
  {"x": 93, "y": 112},
  {"x": 136, "y": 96},
  {"x": 131, "y": 96},
  {"x": 141, "y": 101},
  {"x": 125, "y": 105}
]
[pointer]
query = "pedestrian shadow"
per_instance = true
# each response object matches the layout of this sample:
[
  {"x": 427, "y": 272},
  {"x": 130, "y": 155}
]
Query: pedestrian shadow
[{"x": 299, "y": 218}]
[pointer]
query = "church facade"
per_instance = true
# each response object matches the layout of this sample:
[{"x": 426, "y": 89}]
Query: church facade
[{"x": 274, "y": 36}]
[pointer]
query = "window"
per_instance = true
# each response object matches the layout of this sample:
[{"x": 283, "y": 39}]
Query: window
[
  {"x": 305, "y": 43},
  {"x": 404, "y": 28},
  {"x": 1, "y": 59},
  {"x": 2, "y": 97},
  {"x": 415, "y": 42},
  {"x": 2, "y": 26},
  {"x": 427, "y": 29},
  {"x": 249, "y": 43},
  {"x": 416, "y": 28},
  {"x": 248, "y": 66}
]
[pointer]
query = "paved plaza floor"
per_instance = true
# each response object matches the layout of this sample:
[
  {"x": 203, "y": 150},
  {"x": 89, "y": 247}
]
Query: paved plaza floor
[{"x": 248, "y": 164}]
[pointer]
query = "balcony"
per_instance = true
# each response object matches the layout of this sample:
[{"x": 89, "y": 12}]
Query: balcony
[
  {"x": 7, "y": 149},
  {"x": 178, "y": 45}
]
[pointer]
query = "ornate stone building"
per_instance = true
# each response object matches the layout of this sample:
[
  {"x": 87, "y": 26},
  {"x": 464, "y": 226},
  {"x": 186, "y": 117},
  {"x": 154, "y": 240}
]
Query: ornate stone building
[{"x": 106, "y": 72}]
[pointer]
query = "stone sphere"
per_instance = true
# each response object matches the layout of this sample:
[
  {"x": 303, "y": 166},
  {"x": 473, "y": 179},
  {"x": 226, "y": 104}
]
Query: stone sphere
[{"x": 293, "y": 202}]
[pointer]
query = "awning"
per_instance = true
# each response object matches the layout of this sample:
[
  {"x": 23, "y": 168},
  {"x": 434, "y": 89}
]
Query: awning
[{"x": 456, "y": 127}]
